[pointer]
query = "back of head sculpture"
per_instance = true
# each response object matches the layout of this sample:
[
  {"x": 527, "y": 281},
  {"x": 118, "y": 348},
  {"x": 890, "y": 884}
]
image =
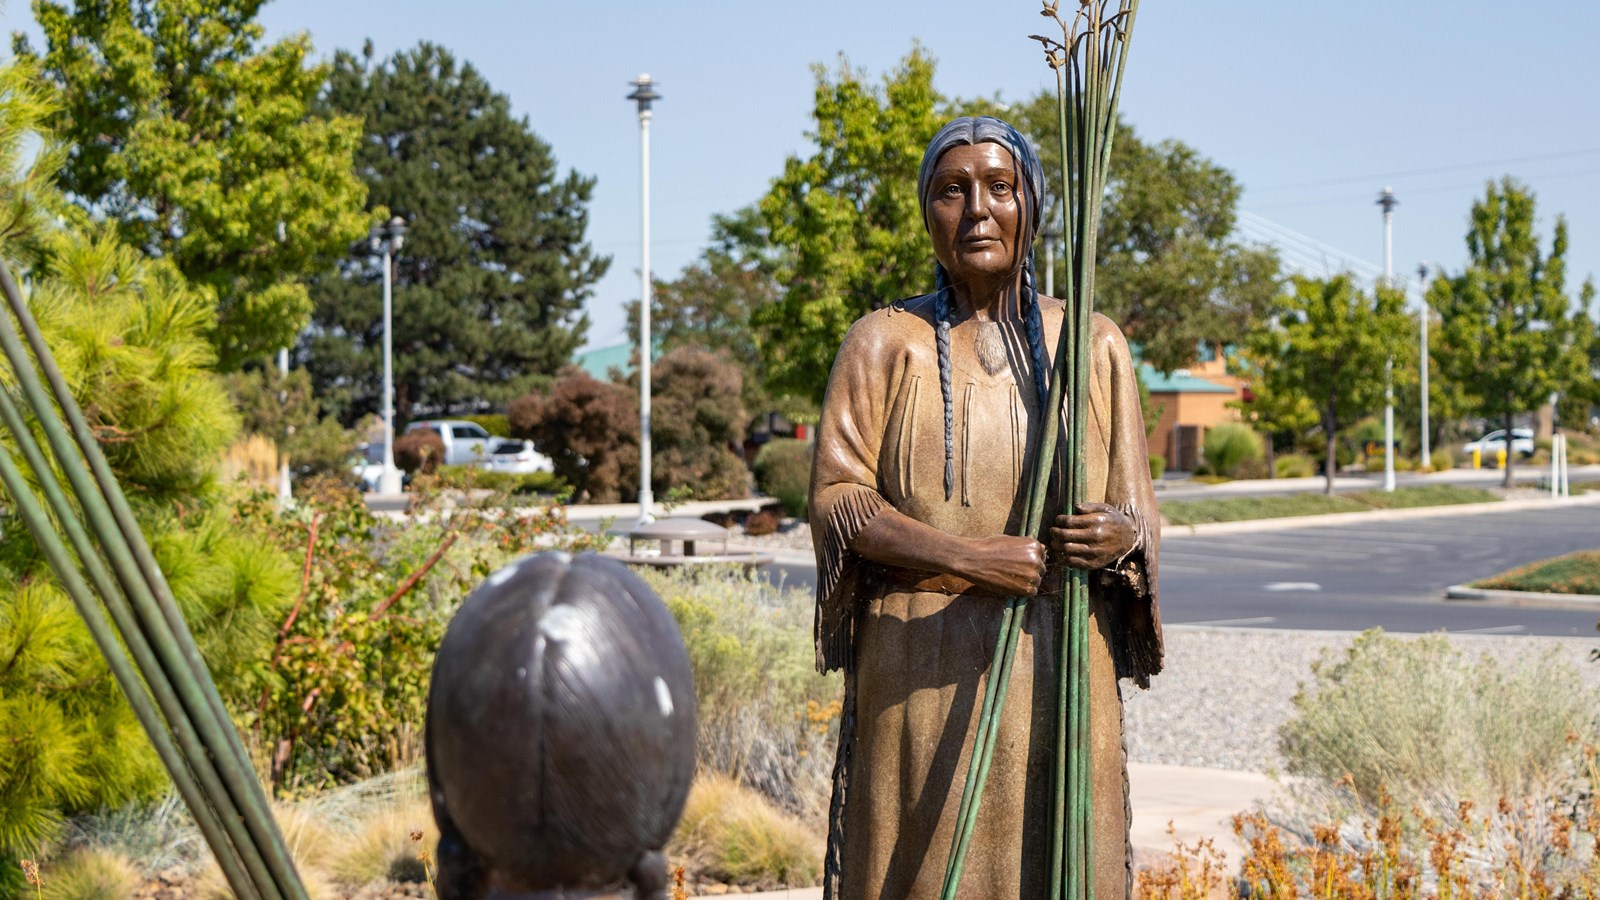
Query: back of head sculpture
[{"x": 560, "y": 733}]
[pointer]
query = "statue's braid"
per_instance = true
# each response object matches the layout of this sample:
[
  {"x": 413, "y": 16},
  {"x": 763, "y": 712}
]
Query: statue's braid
[
  {"x": 1033, "y": 327},
  {"x": 941, "y": 332}
]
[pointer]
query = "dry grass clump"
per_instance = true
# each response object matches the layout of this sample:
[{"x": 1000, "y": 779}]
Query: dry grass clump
[
  {"x": 386, "y": 846},
  {"x": 732, "y": 834},
  {"x": 91, "y": 873},
  {"x": 253, "y": 458}
]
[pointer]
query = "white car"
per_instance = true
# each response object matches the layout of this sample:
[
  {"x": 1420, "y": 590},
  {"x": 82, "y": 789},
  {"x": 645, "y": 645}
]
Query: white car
[
  {"x": 516, "y": 457},
  {"x": 465, "y": 443},
  {"x": 1495, "y": 441}
]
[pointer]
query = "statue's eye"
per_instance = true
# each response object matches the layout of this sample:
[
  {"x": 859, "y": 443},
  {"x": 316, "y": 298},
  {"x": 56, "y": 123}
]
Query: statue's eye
[
  {"x": 1001, "y": 188},
  {"x": 952, "y": 190}
]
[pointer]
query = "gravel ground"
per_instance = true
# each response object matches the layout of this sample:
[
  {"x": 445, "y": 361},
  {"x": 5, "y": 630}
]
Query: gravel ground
[{"x": 1224, "y": 691}]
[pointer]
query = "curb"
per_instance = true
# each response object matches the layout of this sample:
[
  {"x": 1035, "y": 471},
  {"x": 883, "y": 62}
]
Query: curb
[
  {"x": 1521, "y": 598},
  {"x": 1248, "y": 526}
]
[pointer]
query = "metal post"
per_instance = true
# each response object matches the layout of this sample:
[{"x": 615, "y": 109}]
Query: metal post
[
  {"x": 285, "y": 487},
  {"x": 1423, "y": 358},
  {"x": 644, "y": 93},
  {"x": 1388, "y": 202},
  {"x": 389, "y": 238}
]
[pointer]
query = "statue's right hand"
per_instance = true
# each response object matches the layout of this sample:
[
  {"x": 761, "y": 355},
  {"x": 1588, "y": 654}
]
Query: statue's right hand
[{"x": 1006, "y": 565}]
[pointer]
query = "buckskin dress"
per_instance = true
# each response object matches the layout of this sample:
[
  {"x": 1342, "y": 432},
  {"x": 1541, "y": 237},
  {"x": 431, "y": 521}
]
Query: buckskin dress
[{"x": 915, "y": 645}]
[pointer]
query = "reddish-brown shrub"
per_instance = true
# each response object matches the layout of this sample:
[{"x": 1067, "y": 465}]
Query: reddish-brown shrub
[
  {"x": 589, "y": 429},
  {"x": 419, "y": 451}
]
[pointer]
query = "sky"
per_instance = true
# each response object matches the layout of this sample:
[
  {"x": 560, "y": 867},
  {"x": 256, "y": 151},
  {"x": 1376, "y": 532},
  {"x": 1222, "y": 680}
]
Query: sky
[{"x": 1314, "y": 106}]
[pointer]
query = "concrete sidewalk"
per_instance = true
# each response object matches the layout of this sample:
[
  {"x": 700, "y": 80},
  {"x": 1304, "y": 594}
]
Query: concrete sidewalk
[{"x": 1199, "y": 803}]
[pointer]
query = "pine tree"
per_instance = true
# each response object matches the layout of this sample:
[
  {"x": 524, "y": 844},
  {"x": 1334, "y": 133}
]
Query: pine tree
[{"x": 490, "y": 284}]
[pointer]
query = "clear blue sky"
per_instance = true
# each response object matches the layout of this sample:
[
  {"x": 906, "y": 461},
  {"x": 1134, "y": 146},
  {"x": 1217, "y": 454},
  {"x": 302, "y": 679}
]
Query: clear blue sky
[{"x": 1315, "y": 106}]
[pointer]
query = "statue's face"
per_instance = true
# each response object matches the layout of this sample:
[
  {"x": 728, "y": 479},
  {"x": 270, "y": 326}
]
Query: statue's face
[{"x": 977, "y": 212}]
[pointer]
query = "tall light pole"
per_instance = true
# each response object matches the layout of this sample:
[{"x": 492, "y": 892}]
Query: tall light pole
[
  {"x": 1388, "y": 202},
  {"x": 1422, "y": 353},
  {"x": 285, "y": 487},
  {"x": 387, "y": 239},
  {"x": 644, "y": 93}
]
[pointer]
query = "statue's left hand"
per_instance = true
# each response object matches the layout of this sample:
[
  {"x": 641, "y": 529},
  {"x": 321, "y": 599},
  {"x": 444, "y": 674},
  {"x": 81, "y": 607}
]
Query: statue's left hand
[{"x": 1098, "y": 536}]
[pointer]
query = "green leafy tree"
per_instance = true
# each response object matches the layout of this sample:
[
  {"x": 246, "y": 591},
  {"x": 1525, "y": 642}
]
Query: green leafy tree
[
  {"x": 1328, "y": 341},
  {"x": 846, "y": 218},
  {"x": 1579, "y": 398},
  {"x": 1168, "y": 267},
  {"x": 1507, "y": 335},
  {"x": 198, "y": 142},
  {"x": 1273, "y": 407},
  {"x": 490, "y": 285}
]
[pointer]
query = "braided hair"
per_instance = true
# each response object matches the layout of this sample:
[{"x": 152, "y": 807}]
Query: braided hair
[{"x": 970, "y": 130}]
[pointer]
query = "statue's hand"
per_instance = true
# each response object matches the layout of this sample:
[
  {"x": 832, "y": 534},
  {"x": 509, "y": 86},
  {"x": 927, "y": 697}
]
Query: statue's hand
[
  {"x": 1098, "y": 536},
  {"x": 1006, "y": 565}
]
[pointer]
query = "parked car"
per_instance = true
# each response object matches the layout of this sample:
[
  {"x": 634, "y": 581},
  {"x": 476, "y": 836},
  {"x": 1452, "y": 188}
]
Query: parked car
[
  {"x": 1495, "y": 441},
  {"x": 517, "y": 458},
  {"x": 465, "y": 443},
  {"x": 367, "y": 465}
]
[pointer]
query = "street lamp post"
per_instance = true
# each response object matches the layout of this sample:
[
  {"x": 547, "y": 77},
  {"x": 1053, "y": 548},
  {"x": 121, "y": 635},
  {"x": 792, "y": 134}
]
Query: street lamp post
[
  {"x": 1422, "y": 352},
  {"x": 387, "y": 239},
  {"x": 644, "y": 94},
  {"x": 1388, "y": 202}
]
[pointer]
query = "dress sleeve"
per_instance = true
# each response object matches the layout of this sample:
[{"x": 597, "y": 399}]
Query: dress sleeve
[
  {"x": 845, "y": 493},
  {"x": 1131, "y": 586}
]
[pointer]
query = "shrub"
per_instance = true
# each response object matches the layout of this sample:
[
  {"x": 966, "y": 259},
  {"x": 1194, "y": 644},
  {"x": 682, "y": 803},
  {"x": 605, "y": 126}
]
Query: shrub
[
  {"x": 1227, "y": 446},
  {"x": 323, "y": 448},
  {"x": 91, "y": 873},
  {"x": 763, "y": 521},
  {"x": 735, "y": 835},
  {"x": 419, "y": 452},
  {"x": 1293, "y": 465},
  {"x": 478, "y": 478},
  {"x": 783, "y": 471},
  {"x": 498, "y": 424},
  {"x": 697, "y": 419},
  {"x": 766, "y": 716},
  {"x": 1442, "y": 460},
  {"x": 1419, "y": 721},
  {"x": 1158, "y": 466},
  {"x": 589, "y": 429}
]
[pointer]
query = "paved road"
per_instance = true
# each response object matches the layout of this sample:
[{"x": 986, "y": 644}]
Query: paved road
[{"x": 1353, "y": 577}]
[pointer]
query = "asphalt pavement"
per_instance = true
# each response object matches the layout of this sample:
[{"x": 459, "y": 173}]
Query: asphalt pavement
[{"x": 1351, "y": 577}]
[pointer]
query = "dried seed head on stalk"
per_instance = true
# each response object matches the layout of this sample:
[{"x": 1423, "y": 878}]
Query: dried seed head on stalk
[{"x": 30, "y": 871}]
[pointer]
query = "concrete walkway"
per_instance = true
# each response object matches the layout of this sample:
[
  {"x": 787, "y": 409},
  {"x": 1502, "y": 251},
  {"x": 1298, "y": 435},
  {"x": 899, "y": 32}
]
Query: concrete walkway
[{"x": 1198, "y": 803}]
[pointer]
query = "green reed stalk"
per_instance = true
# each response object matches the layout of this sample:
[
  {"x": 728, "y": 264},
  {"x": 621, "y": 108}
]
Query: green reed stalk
[
  {"x": 1088, "y": 89},
  {"x": 197, "y": 743}
]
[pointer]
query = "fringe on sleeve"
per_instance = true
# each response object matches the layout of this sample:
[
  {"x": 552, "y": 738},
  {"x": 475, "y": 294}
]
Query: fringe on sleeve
[
  {"x": 837, "y": 572},
  {"x": 1130, "y": 591}
]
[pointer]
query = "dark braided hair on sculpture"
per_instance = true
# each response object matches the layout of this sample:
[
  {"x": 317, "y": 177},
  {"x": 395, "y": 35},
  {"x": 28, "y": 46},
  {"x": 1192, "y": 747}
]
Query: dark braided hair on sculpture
[{"x": 966, "y": 131}]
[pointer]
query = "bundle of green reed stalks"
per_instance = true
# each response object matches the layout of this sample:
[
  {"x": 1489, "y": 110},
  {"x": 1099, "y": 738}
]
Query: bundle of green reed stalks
[
  {"x": 87, "y": 533},
  {"x": 1088, "y": 62}
]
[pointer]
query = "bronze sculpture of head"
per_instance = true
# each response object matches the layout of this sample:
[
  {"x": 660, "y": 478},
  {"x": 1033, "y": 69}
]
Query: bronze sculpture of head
[
  {"x": 959, "y": 242},
  {"x": 560, "y": 733}
]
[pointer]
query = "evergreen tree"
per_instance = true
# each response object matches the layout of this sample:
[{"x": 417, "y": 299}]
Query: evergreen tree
[
  {"x": 1507, "y": 336},
  {"x": 1328, "y": 341},
  {"x": 490, "y": 285},
  {"x": 198, "y": 142}
]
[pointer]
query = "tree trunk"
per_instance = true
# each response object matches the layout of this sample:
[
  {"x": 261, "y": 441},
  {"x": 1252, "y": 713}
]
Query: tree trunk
[
  {"x": 1511, "y": 449},
  {"x": 1330, "y": 429}
]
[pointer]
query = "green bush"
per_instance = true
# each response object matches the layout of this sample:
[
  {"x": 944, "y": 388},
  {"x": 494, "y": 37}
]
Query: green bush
[
  {"x": 783, "y": 471},
  {"x": 766, "y": 716},
  {"x": 1294, "y": 465},
  {"x": 477, "y": 478},
  {"x": 1422, "y": 721},
  {"x": 1158, "y": 466},
  {"x": 1443, "y": 460},
  {"x": 1229, "y": 445},
  {"x": 497, "y": 424}
]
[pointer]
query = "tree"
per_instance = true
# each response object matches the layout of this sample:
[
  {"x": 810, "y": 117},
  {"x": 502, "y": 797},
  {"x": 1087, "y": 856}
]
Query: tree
[
  {"x": 199, "y": 144},
  {"x": 1507, "y": 337},
  {"x": 1168, "y": 270},
  {"x": 1579, "y": 398},
  {"x": 1328, "y": 341},
  {"x": 847, "y": 219},
  {"x": 1272, "y": 406},
  {"x": 490, "y": 285},
  {"x": 590, "y": 430},
  {"x": 696, "y": 421}
]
